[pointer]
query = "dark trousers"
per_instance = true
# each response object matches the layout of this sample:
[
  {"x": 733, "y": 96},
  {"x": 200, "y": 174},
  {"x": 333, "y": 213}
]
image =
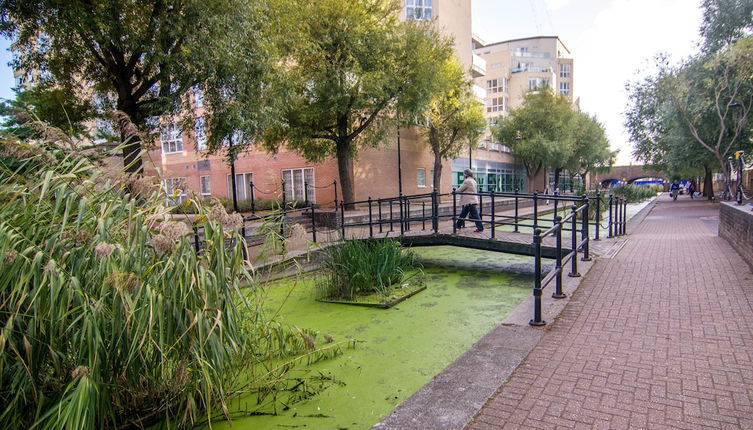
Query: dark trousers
[{"x": 471, "y": 209}]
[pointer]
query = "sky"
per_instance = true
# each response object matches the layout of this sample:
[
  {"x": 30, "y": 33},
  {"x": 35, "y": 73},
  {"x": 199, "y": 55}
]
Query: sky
[{"x": 610, "y": 41}]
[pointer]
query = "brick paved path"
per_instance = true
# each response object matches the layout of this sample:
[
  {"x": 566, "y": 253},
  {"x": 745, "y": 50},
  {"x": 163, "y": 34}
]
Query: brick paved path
[{"x": 649, "y": 340}]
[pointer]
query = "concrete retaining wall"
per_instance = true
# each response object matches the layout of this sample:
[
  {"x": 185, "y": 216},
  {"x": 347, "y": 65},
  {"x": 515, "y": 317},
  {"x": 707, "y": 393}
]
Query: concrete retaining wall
[{"x": 736, "y": 226}]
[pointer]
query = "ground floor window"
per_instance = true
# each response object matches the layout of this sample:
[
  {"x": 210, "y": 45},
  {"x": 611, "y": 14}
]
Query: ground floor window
[
  {"x": 206, "y": 188},
  {"x": 242, "y": 186},
  {"x": 295, "y": 184},
  {"x": 175, "y": 190},
  {"x": 567, "y": 182},
  {"x": 421, "y": 180},
  {"x": 501, "y": 180}
]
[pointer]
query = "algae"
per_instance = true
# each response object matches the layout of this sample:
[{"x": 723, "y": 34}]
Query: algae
[{"x": 399, "y": 349}]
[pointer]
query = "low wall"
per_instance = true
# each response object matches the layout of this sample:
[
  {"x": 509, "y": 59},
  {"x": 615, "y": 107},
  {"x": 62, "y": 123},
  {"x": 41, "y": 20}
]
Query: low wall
[{"x": 736, "y": 226}]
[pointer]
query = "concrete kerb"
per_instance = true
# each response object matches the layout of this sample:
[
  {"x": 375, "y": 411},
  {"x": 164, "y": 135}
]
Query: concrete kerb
[{"x": 454, "y": 396}]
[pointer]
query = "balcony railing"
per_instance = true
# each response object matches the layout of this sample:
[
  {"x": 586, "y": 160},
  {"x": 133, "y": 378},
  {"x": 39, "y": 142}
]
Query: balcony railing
[
  {"x": 535, "y": 69},
  {"x": 478, "y": 68}
]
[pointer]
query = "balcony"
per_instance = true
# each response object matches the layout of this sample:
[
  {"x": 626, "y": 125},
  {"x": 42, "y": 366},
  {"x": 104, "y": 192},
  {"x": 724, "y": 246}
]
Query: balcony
[
  {"x": 535, "y": 69},
  {"x": 532, "y": 54},
  {"x": 479, "y": 92},
  {"x": 478, "y": 68}
]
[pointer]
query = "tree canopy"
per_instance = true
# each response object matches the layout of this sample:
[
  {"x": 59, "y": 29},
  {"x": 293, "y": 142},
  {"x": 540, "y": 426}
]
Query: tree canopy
[
  {"x": 146, "y": 55},
  {"x": 356, "y": 69}
]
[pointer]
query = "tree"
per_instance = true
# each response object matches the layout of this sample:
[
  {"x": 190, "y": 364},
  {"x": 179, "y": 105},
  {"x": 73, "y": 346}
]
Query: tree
[
  {"x": 455, "y": 118},
  {"x": 724, "y": 22},
  {"x": 147, "y": 53},
  {"x": 356, "y": 69},
  {"x": 48, "y": 106},
  {"x": 590, "y": 146},
  {"x": 539, "y": 132}
]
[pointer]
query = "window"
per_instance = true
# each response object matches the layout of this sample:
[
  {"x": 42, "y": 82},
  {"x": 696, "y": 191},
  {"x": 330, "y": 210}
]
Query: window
[
  {"x": 171, "y": 138},
  {"x": 523, "y": 49},
  {"x": 242, "y": 186},
  {"x": 495, "y": 104},
  {"x": 198, "y": 97},
  {"x": 421, "y": 177},
  {"x": 564, "y": 70},
  {"x": 565, "y": 88},
  {"x": 295, "y": 182},
  {"x": 201, "y": 134},
  {"x": 418, "y": 9},
  {"x": 496, "y": 85},
  {"x": 537, "y": 83},
  {"x": 206, "y": 188},
  {"x": 175, "y": 190}
]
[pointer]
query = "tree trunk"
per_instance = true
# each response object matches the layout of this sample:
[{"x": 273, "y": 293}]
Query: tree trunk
[
  {"x": 130, "y": 140},
  {"x": 345, "y": 170},
  {"x": 708, "y": 185},
  {"x": 557, "y": 172},
  {"x": 437, "y": 172}
]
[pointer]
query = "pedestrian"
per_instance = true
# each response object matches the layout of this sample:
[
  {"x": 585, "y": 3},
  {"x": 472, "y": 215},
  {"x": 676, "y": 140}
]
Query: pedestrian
[
  {"x": 469, "y": 202},
  {"x": 691, "y": 189},
  {"x": 546, "y": 193}
]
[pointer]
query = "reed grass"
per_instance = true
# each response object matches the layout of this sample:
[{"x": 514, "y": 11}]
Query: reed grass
[{"x": 108, "y": 316}]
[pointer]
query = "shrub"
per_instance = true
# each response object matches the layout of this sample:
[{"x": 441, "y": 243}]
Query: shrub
[
  {"x": 109, "y": 318},
  {"x": 634, "y": 193},
  {"x": 362, "y": 267}
]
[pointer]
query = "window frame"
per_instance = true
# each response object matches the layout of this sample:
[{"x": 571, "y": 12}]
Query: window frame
[
  {"x": 243, "y": 193},
  {"x": 290, "y": 186},
  {"x": 170, "y": 185},
  {"x": 200, "y": 133},
  {"x": 208, "y": 184},
  {"x": 174, "y": 141},
  {"x": 418, "y": 177},
  {"x": 565, "y": 70}
]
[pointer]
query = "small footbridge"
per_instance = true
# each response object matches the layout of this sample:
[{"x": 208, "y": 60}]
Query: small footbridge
[{"x": 541, "y": 226}]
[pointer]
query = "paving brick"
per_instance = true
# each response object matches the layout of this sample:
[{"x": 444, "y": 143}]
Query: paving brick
[{"x": 659, "y": 336}]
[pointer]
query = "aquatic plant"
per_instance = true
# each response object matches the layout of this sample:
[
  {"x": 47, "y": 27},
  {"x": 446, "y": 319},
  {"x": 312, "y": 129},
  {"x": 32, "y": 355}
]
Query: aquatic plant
[
  {"x": 109, "y": 318},
  {"x": 361, "y": 267}
]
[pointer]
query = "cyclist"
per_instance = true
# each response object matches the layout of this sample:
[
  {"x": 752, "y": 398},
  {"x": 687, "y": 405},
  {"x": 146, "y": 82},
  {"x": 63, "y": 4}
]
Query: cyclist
[{"x": 674, "y": 189}]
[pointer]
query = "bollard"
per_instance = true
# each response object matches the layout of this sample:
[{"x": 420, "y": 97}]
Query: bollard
[
  {"x": 537, "y": 321},
  {"x": 516, "y": 210},
  {"x": 558, "y": 294},
  {"x": 574, "y": 243}
]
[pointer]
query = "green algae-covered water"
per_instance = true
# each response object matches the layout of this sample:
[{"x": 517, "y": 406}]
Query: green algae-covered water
[{"x": 399, "y": 349}]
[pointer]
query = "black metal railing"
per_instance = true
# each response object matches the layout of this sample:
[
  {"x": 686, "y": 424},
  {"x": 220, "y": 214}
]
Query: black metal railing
[{"x": 540, "y": 282}]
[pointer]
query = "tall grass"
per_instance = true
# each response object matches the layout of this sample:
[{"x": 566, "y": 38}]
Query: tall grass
[
  {"x": 362, "y": 267},
  {"x": 110, "y": 319},
  {"x": 635, "y": 193}
]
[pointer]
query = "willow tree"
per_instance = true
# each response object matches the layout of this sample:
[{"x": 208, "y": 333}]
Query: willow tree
[
  {"x": 455, "y": 118},
  {"x": 355, "y": 70},
  {"x": 144, "y": 54},
  {"x": 539, "y": 132}
]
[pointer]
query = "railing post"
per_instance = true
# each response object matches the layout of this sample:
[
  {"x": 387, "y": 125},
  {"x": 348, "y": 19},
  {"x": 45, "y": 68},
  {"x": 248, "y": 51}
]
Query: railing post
[
  {"x": 423, "y": 216},
  {"x": 253, "y": 205},
  {"x": 454, "y": 212},
  {"x": 584, "y": 231},
  {"x": 284, "y": 205},
  {"x": 537, "y": 321},
  {"x": 342, "y": 219},
  {"x": 611, "y": 204},
  {"x": 535, "y": 210},
  {"x": 598, "y": 215},
  {"x": 371, "y": 221},
  {"x": 494, "y": 222},
  {"x": 574, "y": 243},
  {"x": 558, "y": 294},
  {"x": 402, "y": 219},
  {"x": 305, "y": 193},
  {"x": 196, "y": 243},
  {"x": 624, "y": 217},
  {"x": 392, "y": 227},
  {"x": 379, "y": 203},
  {"x": 516, "y": 210},
  {"x": 435, "y": 211},
  {"x": 554, "y": 218},
  {"x": 334, "y": 184},
  {"x": 407, "y": 214},
  {"x": 480, "y": 206},
  {"x": 313, "y": 223}
]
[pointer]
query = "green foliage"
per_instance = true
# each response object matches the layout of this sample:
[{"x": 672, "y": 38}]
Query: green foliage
[
  {"x": 111, "y": 319},
  {"x": 635, "y": 193},
  {"x": 355, "y": 68},
  {"x": 455, "y": 116},
  {"x": 35, "y": 110},
  {"x": 725, "y": 21},
  {"x": 144, "y": 56},
  {"x": 362, "y": 267}
]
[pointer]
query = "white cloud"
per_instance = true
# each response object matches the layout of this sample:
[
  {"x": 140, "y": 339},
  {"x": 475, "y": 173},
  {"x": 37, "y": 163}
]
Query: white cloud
[
  {"x": 622, "y": 38},
  {"x": 554, "y": 5}
]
